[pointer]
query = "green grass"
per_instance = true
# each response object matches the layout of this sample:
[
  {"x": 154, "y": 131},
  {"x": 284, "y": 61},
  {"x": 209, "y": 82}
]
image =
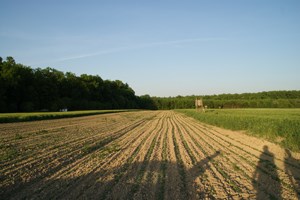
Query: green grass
[
  {"x": 22, "y": 117},
  {"x": 277, "y": 125}
]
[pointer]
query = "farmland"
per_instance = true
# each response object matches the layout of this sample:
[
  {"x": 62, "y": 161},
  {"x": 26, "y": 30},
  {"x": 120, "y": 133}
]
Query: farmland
[
  {"x": 33, "y": 116},
  {"x": 141, "y": 155},
  {"x": 277, "y": 125}
]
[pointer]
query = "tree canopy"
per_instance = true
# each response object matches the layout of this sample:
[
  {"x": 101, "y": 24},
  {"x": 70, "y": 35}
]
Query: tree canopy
[
  {"x": 26, "y": 89},
  {"x": 271, "y": 99},
  {"x": 23, "y": 89}
]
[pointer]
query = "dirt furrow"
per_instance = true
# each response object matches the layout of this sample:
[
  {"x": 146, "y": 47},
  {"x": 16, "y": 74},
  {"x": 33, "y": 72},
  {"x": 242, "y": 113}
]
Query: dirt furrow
[
  {"x": 218, "y": 188},
  {"x": 189, "y": 161},
  {"x": 181, "y": 158},
  {"x": 90, "y": 164},
  {"x": 40, "y": 147},
  {"x": 142, "y": 155},
  {"x": 26, "y": 127},
  {"x": 267, "y": 165},
  {"x": 160, "y": 188},
  {"x": 200, "y": 169},
  {"x": 63, "y": 160},
  {"x": 221, "y": 166},
  {"x": 68, "y": 151},
  {"x": 255, "y": 152},
  {"x": 64, "y": 144},
  {"x": 173, "y": 182},
  {"x": 138, "y": 168},
  {"x": 235, "y": 158},
  {"x": 152, "y": 175},
  {"x": 94, "y": 171},
  {"x": 115, "y": 171}
]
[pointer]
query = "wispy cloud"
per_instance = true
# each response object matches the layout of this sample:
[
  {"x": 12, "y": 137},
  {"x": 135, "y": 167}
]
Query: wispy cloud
[
  {"x": 139, "y": 46},
  {"x": 182, "y": 41}
]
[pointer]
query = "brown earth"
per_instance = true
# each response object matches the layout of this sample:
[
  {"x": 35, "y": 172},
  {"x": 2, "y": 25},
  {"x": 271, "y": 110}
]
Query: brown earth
[{"x": 141, "y": 155}]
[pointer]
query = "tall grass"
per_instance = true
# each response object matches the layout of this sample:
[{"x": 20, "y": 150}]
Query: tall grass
[
  {"x": 22, "y": 117},
  {"x": 277, "y": 125}
]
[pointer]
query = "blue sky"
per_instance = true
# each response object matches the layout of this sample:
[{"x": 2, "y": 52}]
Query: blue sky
[{"x": 161, "y": 48}]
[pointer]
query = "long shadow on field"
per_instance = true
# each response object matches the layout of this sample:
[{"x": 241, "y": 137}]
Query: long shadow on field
[
  {"x": 266, "y": 185},
  {"x": 143, "y": 180},
  {"x": 32, "y": 175},
  {"x": 198, "y": 170},
  {"x": 293, "y": 173},
  {"x": 139, "y": 180}
]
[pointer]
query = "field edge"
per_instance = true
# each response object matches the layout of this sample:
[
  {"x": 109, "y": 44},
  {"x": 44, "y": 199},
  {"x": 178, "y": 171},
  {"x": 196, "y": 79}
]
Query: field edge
[
  {"x": 259, "y": 127},
  {"x": 37, "y": 116}
]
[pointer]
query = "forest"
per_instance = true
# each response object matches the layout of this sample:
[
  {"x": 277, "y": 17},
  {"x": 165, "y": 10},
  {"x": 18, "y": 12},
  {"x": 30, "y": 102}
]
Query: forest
[
  {"x": 270, "y": 99},
  {"x": 24, "y": 89}
]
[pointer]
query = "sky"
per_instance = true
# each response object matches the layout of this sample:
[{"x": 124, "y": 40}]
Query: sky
[{"x": 160, "y": 47}]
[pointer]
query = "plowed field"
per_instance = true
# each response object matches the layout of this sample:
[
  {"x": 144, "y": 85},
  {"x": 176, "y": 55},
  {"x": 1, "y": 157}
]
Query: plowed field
[{"x": 141, "y": 155}]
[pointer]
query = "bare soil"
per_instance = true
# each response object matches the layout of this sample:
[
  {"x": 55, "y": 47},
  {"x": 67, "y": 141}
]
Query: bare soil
[{"x": 141, "y": 155}]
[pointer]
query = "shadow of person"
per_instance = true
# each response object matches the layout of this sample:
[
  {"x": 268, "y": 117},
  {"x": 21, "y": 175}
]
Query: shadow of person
[
  {"x": 118, "y": 182},
  {"x": 267, "y": 187},
  {"x": 198, "y": 170},
  {"x": 202, "y": 165},
  {"x": 293, "y": 172}
]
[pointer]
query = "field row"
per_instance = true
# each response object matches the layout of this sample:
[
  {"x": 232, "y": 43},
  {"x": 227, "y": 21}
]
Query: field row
[
  {"x": 277, "y": 125},
  {"x": 141, "y": 155},
  {"x": 33, "y": 116}
]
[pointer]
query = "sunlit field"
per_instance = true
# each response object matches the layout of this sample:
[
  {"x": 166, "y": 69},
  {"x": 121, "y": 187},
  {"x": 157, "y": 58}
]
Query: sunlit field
[
  {"x": 141, "y": 155},
  {"x": 278, "y": 125},
  {"x": 32, "y": 116}
]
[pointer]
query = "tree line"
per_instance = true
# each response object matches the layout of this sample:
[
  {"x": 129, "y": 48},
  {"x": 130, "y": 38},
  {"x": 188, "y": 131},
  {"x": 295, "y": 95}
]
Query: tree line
[
  {"x": 271, "y": 99},
  {"x": 23, "y": 89}
]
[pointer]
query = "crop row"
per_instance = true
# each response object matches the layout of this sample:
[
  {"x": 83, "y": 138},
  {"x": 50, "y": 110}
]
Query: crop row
[
  {"x": 150, "y": 155},
  {"x": 274, "y": 125}
]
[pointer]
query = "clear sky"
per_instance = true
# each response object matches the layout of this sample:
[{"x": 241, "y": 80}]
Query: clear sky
[{"x": 160, "y": 47}]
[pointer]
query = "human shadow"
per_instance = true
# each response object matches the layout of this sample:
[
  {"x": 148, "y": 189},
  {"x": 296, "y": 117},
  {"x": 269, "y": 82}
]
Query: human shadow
[
  {"x": 265, "y": 178},
  {"x": 199, "y": 169},
  {"x": 293, "y": 170},
  {"x": 203, "y": 165},
  {"x": 119, "y": 182}
]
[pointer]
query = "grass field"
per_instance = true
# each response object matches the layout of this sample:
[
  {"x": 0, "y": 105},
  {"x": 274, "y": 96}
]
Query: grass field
[
  {"x": 32, "y": 116},
  {"x": 278, "y": 125},
  {"x": 141, "y": 155}
]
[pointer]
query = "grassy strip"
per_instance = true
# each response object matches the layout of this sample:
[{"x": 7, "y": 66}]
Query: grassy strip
[
  {"x": 272, "y": 124},
  {"x": 23, "y": 117}
]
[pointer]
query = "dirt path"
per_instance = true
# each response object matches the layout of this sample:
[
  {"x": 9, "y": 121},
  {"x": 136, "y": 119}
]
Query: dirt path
[{"x": 141, "y": 155}]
